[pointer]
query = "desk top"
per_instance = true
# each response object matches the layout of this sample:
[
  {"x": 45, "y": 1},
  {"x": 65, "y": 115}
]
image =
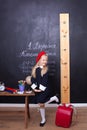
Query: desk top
[{"x": 26, "y": 93}]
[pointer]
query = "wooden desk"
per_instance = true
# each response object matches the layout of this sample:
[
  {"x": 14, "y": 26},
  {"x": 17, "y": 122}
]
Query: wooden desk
[{"x": 26, "y": 95}]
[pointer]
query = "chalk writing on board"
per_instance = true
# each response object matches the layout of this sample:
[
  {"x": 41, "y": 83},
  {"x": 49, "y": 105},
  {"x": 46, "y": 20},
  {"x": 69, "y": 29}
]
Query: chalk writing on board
[
  {"x": 29, "y": 51},
  {"x": 28, "y": 55}
]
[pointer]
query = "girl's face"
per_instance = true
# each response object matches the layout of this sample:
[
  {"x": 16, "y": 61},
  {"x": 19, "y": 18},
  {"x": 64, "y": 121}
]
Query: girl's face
[{"x": 43, "y": 61}]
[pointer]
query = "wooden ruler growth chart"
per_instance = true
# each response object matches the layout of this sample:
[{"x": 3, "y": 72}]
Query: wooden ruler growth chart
[{"x": 64, "y": 58}]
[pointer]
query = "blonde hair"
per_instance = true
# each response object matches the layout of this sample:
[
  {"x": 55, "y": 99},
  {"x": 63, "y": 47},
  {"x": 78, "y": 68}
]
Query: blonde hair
[{"x": 43, "y": 70}]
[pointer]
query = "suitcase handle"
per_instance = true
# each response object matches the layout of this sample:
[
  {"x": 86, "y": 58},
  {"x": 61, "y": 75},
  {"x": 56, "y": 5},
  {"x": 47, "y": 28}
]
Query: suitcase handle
[
  {"x": 70, "y": 106},
  {"x": 66, "y": 105}
]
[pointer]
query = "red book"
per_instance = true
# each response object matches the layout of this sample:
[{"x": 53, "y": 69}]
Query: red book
[{"x": 11, "y": 89}]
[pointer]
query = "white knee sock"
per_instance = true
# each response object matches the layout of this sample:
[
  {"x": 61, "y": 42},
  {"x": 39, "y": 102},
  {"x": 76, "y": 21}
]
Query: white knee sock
[
  {"x": 42, "y": 112},
  {"x": 54, "y": 98}
]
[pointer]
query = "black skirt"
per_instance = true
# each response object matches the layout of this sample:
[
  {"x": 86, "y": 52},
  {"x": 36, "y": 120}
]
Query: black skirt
[{"x": 42, "y": 97}]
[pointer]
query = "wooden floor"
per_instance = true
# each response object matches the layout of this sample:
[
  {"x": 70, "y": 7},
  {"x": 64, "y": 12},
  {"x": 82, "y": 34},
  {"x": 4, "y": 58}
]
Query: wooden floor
[{"x": 13, "y": 119}]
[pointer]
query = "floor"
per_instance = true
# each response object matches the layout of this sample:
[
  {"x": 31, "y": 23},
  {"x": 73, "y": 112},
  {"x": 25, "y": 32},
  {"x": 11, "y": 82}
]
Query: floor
[{"x": 13, "y": 119}]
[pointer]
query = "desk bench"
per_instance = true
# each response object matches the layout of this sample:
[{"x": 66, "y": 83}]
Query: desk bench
[{"x": 26, "y": 95}]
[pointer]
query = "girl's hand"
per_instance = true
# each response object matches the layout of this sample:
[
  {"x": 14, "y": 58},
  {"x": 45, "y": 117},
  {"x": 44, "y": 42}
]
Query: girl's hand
[
  {"x": 37, "y": 90},
  {"x": 41, "y": 67}
]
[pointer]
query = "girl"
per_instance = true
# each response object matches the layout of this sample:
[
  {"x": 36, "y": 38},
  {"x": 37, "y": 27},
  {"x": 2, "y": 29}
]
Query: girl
[{"x": 39, "y": 81}]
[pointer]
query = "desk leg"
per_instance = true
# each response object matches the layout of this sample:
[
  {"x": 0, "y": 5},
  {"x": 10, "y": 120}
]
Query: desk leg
[{"x": 27, "y": 112}]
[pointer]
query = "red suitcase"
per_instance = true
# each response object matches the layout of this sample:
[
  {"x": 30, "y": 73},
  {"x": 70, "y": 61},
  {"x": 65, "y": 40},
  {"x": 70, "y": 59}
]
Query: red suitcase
[{"x": 64, "y": 115}]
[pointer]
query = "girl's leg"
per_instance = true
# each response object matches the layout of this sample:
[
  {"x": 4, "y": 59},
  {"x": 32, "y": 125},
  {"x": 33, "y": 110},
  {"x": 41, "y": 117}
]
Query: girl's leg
[
  {"x": 42, "y": 112},
  {"x": 54, "y": 98}
]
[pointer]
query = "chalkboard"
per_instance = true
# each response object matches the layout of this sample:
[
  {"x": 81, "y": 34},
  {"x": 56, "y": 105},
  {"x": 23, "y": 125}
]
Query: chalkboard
[
  {"x": 27, "y": 27},
  {"x": 25, "y": 30}
]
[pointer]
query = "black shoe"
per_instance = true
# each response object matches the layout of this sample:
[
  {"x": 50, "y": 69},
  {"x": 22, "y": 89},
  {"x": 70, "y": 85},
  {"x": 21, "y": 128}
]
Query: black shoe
[
  {"x": 42, "y": 124},
  {"x": 57, "y": 95}
]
